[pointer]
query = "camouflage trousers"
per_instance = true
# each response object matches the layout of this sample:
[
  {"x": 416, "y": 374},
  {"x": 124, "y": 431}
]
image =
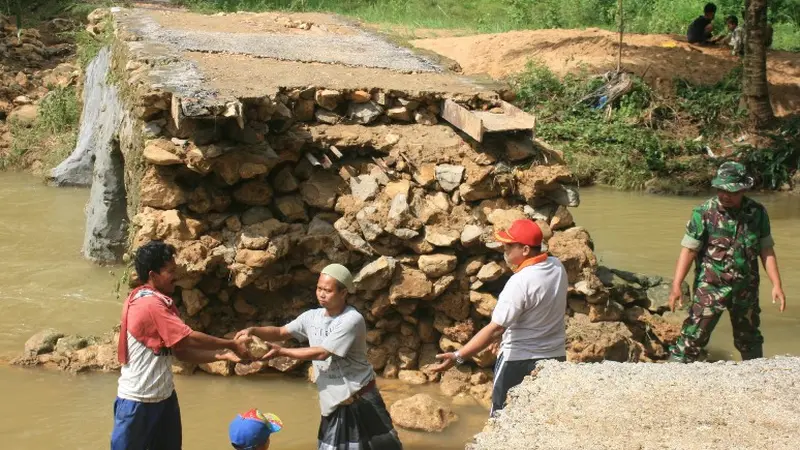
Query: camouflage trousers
[{"x": 705, "y": 311}]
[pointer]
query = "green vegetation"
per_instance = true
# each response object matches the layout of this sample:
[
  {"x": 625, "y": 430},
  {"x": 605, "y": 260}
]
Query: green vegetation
[
  {"x": 52, "y": 136},
  {"x": 641, "y": 16},
  {"x": 30, "y": 13},
  {"x": 642, "y": 135}
]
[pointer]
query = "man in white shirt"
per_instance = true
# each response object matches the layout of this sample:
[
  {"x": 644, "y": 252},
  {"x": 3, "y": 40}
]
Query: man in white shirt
[{"x": 529, "y": 313}]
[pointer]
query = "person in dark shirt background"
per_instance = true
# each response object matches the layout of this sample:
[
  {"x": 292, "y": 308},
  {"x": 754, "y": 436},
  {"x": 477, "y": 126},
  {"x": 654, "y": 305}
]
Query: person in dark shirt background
[{"x": 700, "y": 30}]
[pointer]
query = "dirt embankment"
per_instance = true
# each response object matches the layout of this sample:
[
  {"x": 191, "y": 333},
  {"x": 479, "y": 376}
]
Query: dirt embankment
[{"x": 659, "y": 58}]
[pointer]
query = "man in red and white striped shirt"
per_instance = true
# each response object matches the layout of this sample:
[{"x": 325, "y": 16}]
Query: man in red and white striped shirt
[{"x": 146, "y": 411}]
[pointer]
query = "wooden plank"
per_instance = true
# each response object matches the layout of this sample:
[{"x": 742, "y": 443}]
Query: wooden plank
[
  {"x": 336, "y": 152},
  {"x": 313, "y": 160},
  {"x": 326, "y": 162},
  {"x": 463, "y": 119},
  {"x": 493, "y": 123}
]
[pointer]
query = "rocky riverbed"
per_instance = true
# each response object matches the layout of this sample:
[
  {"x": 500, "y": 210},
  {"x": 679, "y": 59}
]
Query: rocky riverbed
[{"x": 708, "y": 406}]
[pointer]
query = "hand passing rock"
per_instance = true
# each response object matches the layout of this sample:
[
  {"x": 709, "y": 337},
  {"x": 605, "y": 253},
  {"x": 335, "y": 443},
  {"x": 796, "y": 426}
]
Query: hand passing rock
[{"x": 257, "y": 347}]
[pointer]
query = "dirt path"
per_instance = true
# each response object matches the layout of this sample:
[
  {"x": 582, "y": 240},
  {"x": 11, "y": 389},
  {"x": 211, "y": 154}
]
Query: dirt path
[
  {"x": 661, "y": 58},
  {"x": 248, "y": 54}
]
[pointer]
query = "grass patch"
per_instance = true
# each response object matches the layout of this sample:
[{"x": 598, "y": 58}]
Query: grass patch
[
  {"x": 32, "y": 12},
  {"x": 88, "y": 46},
  {"x": 52, "y": 136},
  {"x": 643, "y": 136},
  {"x": 641, "y": 16}
]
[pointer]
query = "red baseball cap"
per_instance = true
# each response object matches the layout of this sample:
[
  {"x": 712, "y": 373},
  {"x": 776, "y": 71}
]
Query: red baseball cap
[{"x": 522, "y": 231}]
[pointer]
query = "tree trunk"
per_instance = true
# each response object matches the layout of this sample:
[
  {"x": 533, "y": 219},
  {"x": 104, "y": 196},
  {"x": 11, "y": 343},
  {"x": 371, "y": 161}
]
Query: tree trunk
[{"x": 755, "y": 87}]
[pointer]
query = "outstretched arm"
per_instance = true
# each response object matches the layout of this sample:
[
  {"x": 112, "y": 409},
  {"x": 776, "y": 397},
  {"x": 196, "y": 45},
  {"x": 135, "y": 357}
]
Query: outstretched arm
[
  {"x": 474, "y": 346},
  {"x": 196, "y": 356},
  {"x": 266, "y": 333},
  {"x": 770, "y": 262},
  {"x": 685, "y": 260}
]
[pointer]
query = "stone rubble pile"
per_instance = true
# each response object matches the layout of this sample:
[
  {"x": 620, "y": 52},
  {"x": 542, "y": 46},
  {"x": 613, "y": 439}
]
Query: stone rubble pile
[{"x": 29, "y": 70}]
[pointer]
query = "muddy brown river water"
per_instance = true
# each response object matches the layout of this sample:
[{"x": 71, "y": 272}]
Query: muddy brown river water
[{"x": 44, "y": 282}]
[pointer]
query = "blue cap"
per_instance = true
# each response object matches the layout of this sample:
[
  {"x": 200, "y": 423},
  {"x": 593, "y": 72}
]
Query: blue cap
[{"x": 252, "y": 429}]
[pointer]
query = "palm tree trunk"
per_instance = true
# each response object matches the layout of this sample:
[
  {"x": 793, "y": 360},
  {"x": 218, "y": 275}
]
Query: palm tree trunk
[{"x": 755, "y": 86}]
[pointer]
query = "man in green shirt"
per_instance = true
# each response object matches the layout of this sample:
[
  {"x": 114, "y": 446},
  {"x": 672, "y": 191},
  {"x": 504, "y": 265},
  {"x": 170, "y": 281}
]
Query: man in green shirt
[{"x": 725, "y": 238}]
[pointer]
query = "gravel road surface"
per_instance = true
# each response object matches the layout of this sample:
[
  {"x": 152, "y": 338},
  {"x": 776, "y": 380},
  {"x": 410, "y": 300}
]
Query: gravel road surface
[{"x": 709, "y": 406}]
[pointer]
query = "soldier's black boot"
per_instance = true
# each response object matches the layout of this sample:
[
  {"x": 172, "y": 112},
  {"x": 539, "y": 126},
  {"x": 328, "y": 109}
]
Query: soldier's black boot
[{"x": 754, "y": 353}]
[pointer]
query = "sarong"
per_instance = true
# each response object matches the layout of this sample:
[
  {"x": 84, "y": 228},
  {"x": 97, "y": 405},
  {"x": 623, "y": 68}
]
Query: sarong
[{"x": 364, "y": 424}]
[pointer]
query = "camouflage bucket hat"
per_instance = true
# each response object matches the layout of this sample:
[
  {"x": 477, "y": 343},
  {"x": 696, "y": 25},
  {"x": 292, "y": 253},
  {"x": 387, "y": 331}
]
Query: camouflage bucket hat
[{"x": 732, "y": 177}]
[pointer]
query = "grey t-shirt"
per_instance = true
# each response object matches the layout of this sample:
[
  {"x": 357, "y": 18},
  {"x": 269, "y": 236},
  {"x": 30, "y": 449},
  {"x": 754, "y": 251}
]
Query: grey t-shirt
[{"x": 347, "y": 370}]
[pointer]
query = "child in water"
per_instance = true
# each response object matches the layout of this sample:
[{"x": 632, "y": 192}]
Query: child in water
[{"x": 251, "y": 430}]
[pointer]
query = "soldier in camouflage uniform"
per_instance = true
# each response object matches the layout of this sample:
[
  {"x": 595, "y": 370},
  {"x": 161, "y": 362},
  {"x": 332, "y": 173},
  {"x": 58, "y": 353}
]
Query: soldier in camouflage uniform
[{"x": 725, "y": 238}]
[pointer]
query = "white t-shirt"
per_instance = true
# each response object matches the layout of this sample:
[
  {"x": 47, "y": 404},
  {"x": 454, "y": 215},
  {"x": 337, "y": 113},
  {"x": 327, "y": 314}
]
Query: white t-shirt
[
  {"x": 147, "y": 377},
  {"x": 347, "y": 370},
  {"x": 531, "y": 308}
]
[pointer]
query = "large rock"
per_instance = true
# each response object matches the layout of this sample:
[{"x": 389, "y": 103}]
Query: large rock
[
  {"x": 161, "y": 152},
  {"x": 449, "y": 176},
  {"x": 100, "y": 123},
  {"x": 364, "y": 113},
  {"x": 364, "y": 187},
  {"x": 328, "y": 98},
  {"x": 471, "y": 234},
  {"x": 258, "y": 235},
  {"x": 254, "y": 193},
  {"x": 24, "y": 116},
  {"x": 490, "y": 272},
  {"x": 159, "y": 190},
  {"x": 455, "y": 381},
  {"x": 71, "y": 344},
  {"x": 421, "y": 412},
  {"x": 437, "y": 265},
  {"x": 574, "y": 248},
  {"x": 292, "y": 208},
  {"x": 224, "y": 368},
  {"x": 106, "y": 232},
  {"x": 658, "y": 296},
  {"x": 409, "y": 283},
  {"x": 441, "y": 237},
  {"x": 284, "y": 181},
  {"x": 455, "y": 305},
  {"x": 376, "y": 275},
  {"x": 276, "y": 249},
  {"x": 285, "y": 364},
  {"x": 595, "y": 342},
  {"x": 562, "y": 219},
  {"x": 413, "y": 377},
  {"x": 256, "y": 214},
  {"x": 608, "y": 312},
  {"x": 367, "y": 219},
  {"x": 42, "y": 342},
  {"x": 539, "y": 181},
  {"x": 377, "y": 357},
  {"x": 321, "y": 190},
  {"x": 484, "y": 302},
  {"x": 566, "y": 195},
  {"x": 194, "y": 301}
]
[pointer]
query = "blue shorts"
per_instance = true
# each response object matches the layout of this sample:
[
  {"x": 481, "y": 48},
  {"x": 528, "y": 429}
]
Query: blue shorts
[{"x": 147, "y": 426}]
